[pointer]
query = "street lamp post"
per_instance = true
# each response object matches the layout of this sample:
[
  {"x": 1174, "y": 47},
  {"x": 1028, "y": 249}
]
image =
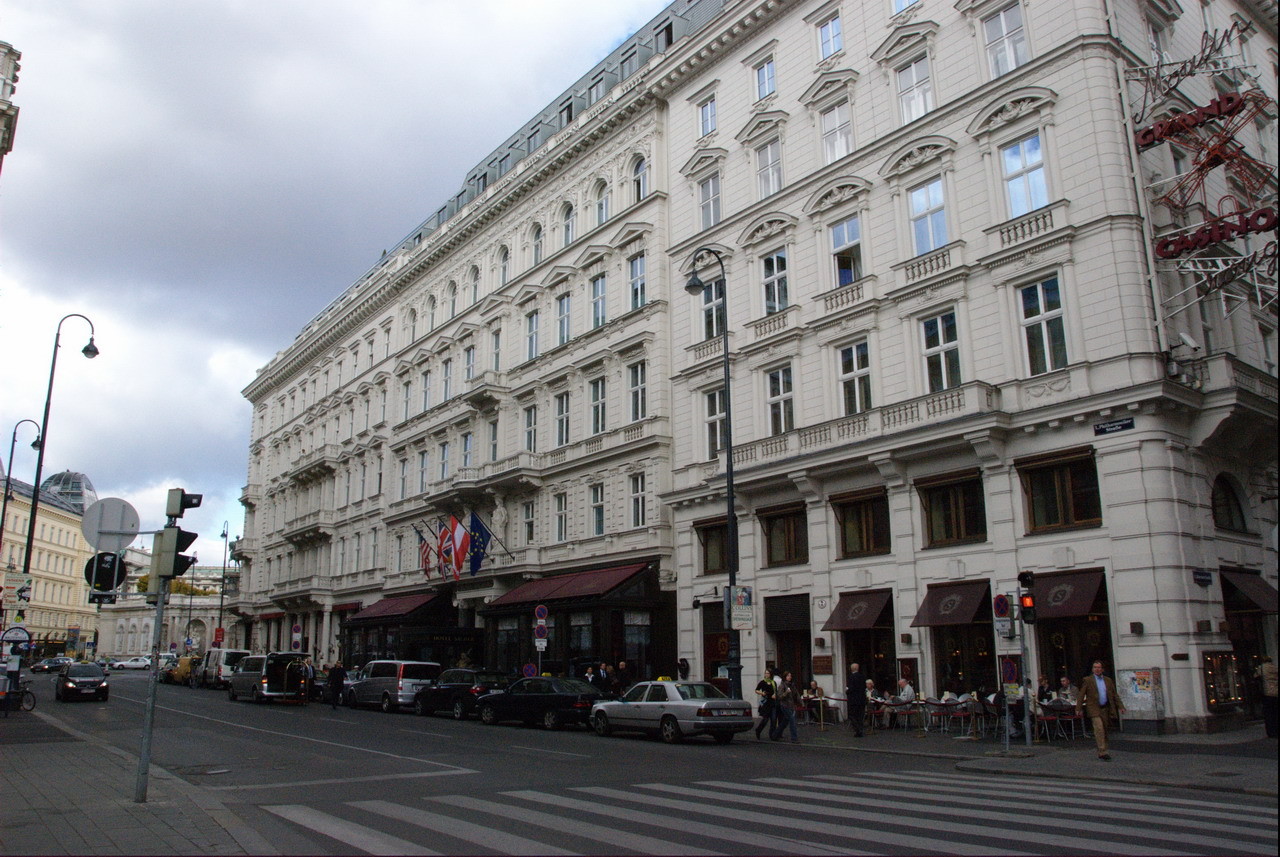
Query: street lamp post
[
  {"x": 8, "y": 474},
  {"x": 222, "y": 583},
  {"x": 90, "y": 351},
  {"x": 697, "y": 287}
]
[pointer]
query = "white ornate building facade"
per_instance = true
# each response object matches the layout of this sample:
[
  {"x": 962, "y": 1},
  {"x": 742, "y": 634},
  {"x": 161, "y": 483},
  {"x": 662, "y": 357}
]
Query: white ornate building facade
[{"x": 965, "y": 340}]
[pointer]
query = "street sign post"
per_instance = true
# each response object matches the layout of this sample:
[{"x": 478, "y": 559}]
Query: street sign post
[{"x": 110, "y": 524}]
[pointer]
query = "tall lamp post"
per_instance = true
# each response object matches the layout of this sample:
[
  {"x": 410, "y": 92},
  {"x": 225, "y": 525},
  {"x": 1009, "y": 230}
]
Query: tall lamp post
[
  {"x": 698, "y": 288},
  {"x": 8, "y": 474},
  {"x": 90, "y": 351},
  {"x": 222, "y": 584}
]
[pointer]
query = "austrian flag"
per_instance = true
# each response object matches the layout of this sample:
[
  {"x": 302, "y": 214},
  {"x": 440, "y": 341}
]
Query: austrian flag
[{"x": 461, "y": 545}]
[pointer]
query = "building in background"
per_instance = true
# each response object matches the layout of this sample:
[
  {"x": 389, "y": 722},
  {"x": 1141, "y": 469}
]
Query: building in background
[
  {"x": 9, "y": 68},
  {"x": 1000, "y": 292}
]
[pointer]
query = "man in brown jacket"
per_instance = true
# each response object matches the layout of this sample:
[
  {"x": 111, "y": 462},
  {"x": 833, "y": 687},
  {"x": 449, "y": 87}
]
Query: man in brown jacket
[{"x": 1100, "y": 702}]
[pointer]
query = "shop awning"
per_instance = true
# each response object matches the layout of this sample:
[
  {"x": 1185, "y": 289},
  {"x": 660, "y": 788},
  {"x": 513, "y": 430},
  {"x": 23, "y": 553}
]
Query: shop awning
[
  {"x": 277, "y": 615},
  {"x": 346, "y": 607},
  {"x": 857, "y": 611},
  {"x": 390, "y": 608},
  {"x": 580, "y": 584},
  {"x": 1253, "y": 587},
  {"x": 1062, "y": 595},
  {"x": 951, "y": 603}
]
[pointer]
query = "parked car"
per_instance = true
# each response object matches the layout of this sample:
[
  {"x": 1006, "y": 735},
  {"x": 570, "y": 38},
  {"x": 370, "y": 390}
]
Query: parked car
[
  {"x": 263, "y": 678},
  {"x": 51, "y": 665},
  {"x": 218, "y": 665},
  {"x": 552, "y": 702},
  {"x": 457, "y": 690},
  {"x": 81, "y": 681},
  {"x": 674, "y": 710},
  {"x": 135, "y": 663},
  {"x": 390, "y": 684},
  {"x": 177, "y": 672}
]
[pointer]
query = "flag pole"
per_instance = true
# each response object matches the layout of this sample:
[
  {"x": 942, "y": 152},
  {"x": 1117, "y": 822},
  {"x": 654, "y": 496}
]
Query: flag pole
[{"x": 493, "y": 535}]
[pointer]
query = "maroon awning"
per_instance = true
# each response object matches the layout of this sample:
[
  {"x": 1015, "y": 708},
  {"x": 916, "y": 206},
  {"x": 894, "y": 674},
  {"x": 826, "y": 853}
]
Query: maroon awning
[
  {"x": 1070, "y": 594},
  {"x": 857, "y": 611},
  {"x": 951, "y": 603},
  {"x": 389, "y": 608},
  {"x": 580, "y": 584},
  {"x": 346, "y": 607},
  {"x": 279, "y": 615},
  {"x": 1253, "y": 587}
]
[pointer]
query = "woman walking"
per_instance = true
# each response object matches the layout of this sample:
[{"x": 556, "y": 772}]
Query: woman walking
[
  {"x": 785, "y": 703},
  {"x": 766, "y": 690}
]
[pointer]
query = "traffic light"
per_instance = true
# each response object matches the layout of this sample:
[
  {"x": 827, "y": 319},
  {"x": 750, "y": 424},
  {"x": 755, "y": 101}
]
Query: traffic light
[
  {"x": 167, "y": 559},
  {"x": 1027, "y": 597},
  {"x": 180, "y": 501}
]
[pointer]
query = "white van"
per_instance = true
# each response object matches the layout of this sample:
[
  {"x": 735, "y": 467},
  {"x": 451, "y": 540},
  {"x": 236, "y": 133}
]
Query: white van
[{"x": 218, "y": 665}]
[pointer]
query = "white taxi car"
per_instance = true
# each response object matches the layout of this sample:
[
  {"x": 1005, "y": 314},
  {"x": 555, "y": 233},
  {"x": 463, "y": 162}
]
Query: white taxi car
[{"x": 674, "y": 710}]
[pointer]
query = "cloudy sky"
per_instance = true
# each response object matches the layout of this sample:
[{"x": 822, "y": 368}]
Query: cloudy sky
[{"x": 201, "y": 177}]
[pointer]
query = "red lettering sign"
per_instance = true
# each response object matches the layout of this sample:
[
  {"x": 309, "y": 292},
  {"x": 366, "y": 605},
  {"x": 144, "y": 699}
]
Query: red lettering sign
[
  {"x": 1261, "y": 220},
  {"x": 1227, "y": 104}
]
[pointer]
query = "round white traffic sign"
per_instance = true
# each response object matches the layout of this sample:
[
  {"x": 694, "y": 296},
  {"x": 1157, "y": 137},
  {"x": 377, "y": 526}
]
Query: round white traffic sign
[{"x": 110, "y": 525}]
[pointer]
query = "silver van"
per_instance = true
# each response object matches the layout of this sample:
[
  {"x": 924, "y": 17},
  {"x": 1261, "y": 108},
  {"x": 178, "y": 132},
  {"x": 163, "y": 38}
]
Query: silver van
[
  {"x": 262, "y": 678},
  {"x": 218, "y": 665},
  {"x": 390, "y": 684}
]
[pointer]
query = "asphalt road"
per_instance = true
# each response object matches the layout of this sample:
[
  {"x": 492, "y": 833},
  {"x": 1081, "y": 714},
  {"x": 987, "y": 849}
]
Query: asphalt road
[{"x": 314, "y": 780}]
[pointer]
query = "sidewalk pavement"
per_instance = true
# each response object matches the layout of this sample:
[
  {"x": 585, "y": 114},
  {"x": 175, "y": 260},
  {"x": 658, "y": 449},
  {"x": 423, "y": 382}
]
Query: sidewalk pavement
[{"x": 68, "y": 792}]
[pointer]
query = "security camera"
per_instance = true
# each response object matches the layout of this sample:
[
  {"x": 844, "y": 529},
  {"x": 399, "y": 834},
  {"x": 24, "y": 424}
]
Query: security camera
[{"x": 1189, "y": 342}]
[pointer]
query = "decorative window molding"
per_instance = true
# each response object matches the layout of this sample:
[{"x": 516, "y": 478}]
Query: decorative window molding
[
  {"x": 763, "y": 126},
  {"x": 704, "y": 161},
  {"x": 773, "y": 226},
  {"x": 838, "y": 191},
  {"x": 829, "y": 87},
  {"x": 760, "y": 54},
  {"x": 1010, "y": 107},
  {"x": 591, "y": 254},
  {"x": 631, "y": 231},
  {"x": 905, "y": 41},
  {"x": 918, "y": 153}
]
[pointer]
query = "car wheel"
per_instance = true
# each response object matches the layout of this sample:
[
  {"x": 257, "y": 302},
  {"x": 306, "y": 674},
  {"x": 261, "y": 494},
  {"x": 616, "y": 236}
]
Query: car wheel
[
  {"x": 231, "y": 693},
  {"x": 350, "y": 699},
  {"x": 420, "y": 706},
  {"x": 103, "y": 697},
  {"x": 601, "y": 724},
  {"x": 257, "y": 694},
  {"x": 387, "y": 705},
  {"x": 488, "y": 716},
  {"x": 723, "y": 737},
  {"x": 459, "y": 710},
  {"x": 669, "y": 729},
  {"x": 551, "y": 719}
]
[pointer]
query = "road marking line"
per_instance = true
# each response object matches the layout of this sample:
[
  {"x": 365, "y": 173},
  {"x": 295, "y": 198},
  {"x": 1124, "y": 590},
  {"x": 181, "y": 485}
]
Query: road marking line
[
  {"x": 430, "y": 734},
  {"x": 375, "y": 779},
  {"x": 487, "y": 838},
  {"x": 557, "y": 752},
  {"x": 348, "y": 832}
]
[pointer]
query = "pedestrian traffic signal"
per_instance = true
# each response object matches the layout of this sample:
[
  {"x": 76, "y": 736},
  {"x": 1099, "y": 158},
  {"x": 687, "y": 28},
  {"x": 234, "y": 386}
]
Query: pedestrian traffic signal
[
  {"x": 1027, "y": 597},
  {"x": 180, "y": 501}
]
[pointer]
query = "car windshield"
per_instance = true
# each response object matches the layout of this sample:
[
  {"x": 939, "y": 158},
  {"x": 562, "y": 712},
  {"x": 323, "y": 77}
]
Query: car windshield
[
  {"x": 420, "y": 672},
  {"x": 573, "y": 685},
  {"x": 699, "y": 690},
  {"x": 497, "y": 679},
  {"x": 85, "y": 671}
]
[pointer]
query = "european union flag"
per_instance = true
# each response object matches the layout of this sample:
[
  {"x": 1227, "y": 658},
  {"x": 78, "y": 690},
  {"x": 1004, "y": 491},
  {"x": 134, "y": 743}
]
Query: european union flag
[{"x": 480, "y": 536}]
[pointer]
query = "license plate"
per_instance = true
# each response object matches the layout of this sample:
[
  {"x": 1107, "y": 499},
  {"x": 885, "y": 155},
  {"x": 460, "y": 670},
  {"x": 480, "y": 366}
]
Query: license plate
[{"x": 87, "y": 689}]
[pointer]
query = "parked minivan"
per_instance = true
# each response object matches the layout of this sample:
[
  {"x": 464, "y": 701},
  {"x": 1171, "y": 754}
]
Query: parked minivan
[
  {"x": 267, "y": 677},
  {"x": 218, "y": 665},
  {"x": 390, "y": 684}
]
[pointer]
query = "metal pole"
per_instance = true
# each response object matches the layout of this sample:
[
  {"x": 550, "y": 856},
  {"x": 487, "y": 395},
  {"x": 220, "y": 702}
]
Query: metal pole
[
  {"x": 8, "y": 474},
  {"x": 222, "y": 584},
  {"x": 149, "y": 713},
  {"x": 1027, "y": 695}
]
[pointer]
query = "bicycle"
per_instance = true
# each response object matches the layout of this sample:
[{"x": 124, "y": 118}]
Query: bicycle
[{"x": 24, "y": 697}]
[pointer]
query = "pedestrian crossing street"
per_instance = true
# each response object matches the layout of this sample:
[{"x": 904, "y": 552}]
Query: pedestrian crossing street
[{"x": 896, "y": 812}]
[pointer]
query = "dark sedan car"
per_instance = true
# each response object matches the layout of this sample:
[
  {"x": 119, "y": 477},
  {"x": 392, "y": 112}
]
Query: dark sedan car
[
  {"x": 457, "y": 690},
  {"x": 550, "y": 701},
  {"x": 81, "y": 681},
  {"x": 50, "y": 665}
]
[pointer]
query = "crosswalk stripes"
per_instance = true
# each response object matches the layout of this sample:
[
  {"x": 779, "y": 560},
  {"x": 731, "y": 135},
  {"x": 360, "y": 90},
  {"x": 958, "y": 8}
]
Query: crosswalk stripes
[{"x": 826, "y": 814}]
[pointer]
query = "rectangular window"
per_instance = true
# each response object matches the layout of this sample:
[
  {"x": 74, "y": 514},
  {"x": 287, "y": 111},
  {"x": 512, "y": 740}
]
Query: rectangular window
[
  {"x": 637, "y": 390},
  {"x": 1062, "y": 495},
  {"x": 495, "y": 345},
  {"x": 1024, "y": 182},
  {"x": 563, "y": 318},
  {"x": 426, "y": 390},
  {"x": 562, "y": 419},
  {"x": 629, "y": 65},
  {"x": 597, "y": 509},
  {"x": 769, "y": 168},
  {"x": 598, "y": 310},
  {"x": 469, "y": 363},
  {"x": 709, "y": 200},
  {"x": 424, "y": 470},
  {"x": 531, "y": 428},
  {"x": 467, "y": 448},
  {"x": 1006, "y": 40},
  {"x": 715, "y": 416},
  {"x": 531, "y": 334},
  {"x": 830, "y": 39},
  {"x": 526, "y": 513},
  {"x": 899, "y": 5},
  {"x": 444, "y": 459},
  {"x": 775, "y": 282},
  {"x": 446, "y": 380},
  {"x": 493, "y": 440},
  {"x": 837, "y": 132},
  {"x": 713, "y": 320},
  {"x": 635, "y": 272},
  {"x": 941, "y": 351},
  {"x": 1042, "y": 327},
  {"x": 596, "y": 91},
  {"x": 780, "y": 401},
  {"x": 928, "y": 217},
  {"x": 855, "y": 378},
  {"x": 562, "y": 517},
  {"x": 765, "y": 84},
  {"x": 786, "y": 537},
  {"x": 406, "y": 398},
  {"x": 864, "y": 524},
  {"x": 707, "y": 116},
  {"x": 954, "y": 513},
  {"x": 711, "y": 538},
  {"x": 597, "y": 405},
  {"x": 915, "y": 90},
  {"x": 566, "y": 114},
  {"x": 846, "y": 248},
  {"x": 639, "y": 507},
  {"x": 404, "y": 478}
]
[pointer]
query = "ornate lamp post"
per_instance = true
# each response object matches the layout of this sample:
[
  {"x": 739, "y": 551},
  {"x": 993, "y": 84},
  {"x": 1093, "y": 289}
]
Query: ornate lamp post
[{"x": 697, "y": 287}]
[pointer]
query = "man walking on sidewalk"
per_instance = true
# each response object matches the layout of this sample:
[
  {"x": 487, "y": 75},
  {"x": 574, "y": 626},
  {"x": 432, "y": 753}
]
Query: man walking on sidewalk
[
  {"x": 855, "y": 692},
  {"x": 1098, "y": 699}
]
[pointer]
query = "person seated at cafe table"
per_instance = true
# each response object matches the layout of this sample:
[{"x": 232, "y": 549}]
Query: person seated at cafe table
[
  {"x": 812, "y": 697},
  {"x": 1067, "y": 690},
  {"x": 873, "y": 692},
  {"x": 906, "y": 693},
  {"x": 1044, "y": 691}
]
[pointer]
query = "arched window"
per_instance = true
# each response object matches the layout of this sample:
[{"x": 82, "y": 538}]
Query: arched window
[
  {"x": 535, "y": 238},
  {"x": 602, "y": 203},
  {"x": 431, "y": 313},
  {"x": 452, "y": 295},
  {"x": 473, "y": 284},
  {"x": 504, "y": 265},
  {"x": 640, "y": 179},
  {"x": 570, "y": 220},
  {"x": 1228, "y": 513},
  {"x": 413, "y": 325}
]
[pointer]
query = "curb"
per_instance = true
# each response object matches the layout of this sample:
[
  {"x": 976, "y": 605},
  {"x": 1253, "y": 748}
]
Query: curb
[{"x": 1058, "y": 775}]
